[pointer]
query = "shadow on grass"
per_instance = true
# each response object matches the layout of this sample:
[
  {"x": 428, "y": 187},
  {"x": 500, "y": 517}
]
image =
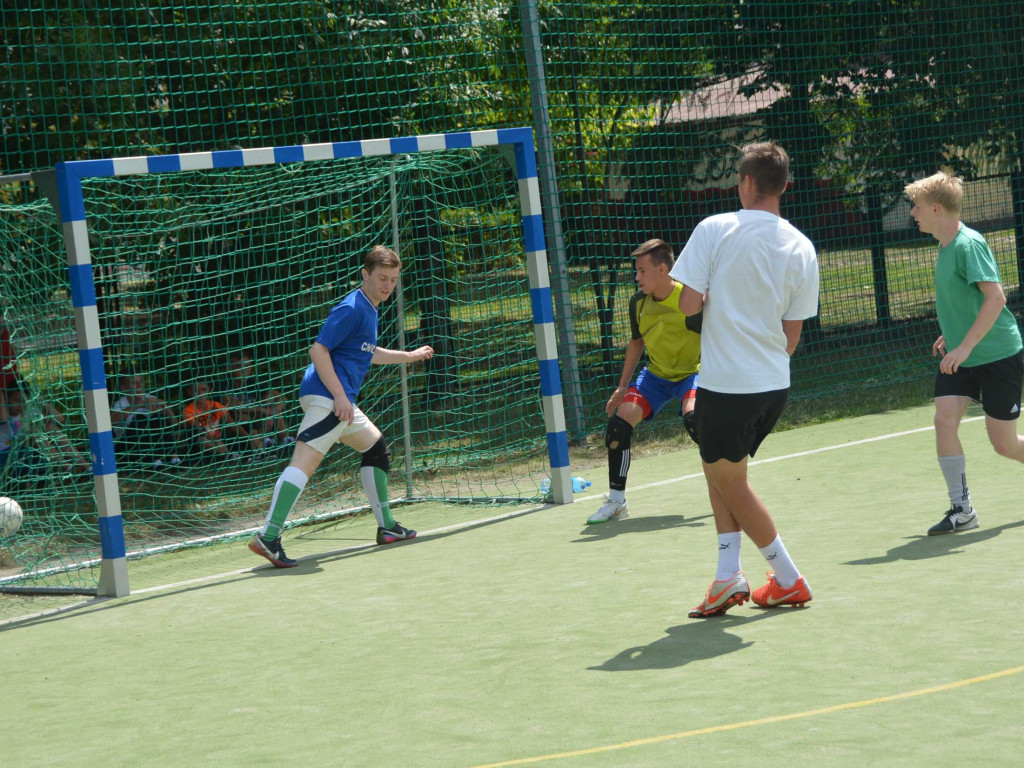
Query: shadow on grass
[
  {"x": 924, "y": 547},
  {"x": 696, "y": 640},
  {"x": 102, "y": 604},
  {"x": 422, "y": 538},
  {"x": 308, "y": 565},
  {"x": 603, "y": 531}
]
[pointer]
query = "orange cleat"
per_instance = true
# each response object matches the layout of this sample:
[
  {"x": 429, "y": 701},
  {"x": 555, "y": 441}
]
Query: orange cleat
[
  {"x": 721, "y": 596},
  {"x": 773, "y": 595}
]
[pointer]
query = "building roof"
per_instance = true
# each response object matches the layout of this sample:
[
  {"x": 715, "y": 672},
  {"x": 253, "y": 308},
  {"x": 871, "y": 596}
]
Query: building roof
[{"x": 723, "y": 99}]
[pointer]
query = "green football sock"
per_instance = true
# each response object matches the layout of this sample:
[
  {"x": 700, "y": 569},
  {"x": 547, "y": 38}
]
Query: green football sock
[
  {"x": 375, "y": 483},
  {"x": 287, "y": 491}
]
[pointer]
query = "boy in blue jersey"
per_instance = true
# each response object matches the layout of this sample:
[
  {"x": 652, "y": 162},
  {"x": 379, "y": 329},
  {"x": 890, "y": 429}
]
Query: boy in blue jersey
[
  {"x": 341, "y": 356},
  {"x": 980, "y": 347}
]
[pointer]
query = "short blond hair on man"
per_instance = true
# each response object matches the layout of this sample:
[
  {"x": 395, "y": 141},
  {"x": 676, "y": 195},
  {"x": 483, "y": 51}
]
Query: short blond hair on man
[{"x": 942, "y": 188}]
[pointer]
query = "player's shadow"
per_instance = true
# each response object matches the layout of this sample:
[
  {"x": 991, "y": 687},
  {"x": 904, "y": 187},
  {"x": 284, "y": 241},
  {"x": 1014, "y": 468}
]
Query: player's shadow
[
  {"x": 924, "y": 547},
  {"x": 369, "y": 549},
  {"x": 696, "y": 640},
  {"x": 307, "y": 566},
  {"x": 641, "y": 524}
]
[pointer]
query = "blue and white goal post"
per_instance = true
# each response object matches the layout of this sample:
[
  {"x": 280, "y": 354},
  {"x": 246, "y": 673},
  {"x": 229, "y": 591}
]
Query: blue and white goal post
[{"x": 113, "y": 579}]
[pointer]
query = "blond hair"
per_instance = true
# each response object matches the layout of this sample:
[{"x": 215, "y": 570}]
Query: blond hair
[
  {"x": 659, "y": 251},
  {"x": 380, "y": 256},
  {"x": 942, "y": 188}
]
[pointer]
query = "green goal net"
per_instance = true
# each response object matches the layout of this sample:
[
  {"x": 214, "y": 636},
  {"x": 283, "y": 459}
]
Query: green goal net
[{"x": 212, "y": 285}]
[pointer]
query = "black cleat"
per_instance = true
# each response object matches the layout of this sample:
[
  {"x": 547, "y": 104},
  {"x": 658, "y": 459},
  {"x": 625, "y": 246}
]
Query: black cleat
[
  {"x": 395, "y": 533},
  {"x": 273, "y": 551},
  {"x": 956, "y": 519}
]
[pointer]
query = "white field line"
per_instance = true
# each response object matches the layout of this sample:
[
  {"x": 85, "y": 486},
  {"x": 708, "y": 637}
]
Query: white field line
[
  {"x": 825, "y": 449},
  {"x": 469, "y": 523}
]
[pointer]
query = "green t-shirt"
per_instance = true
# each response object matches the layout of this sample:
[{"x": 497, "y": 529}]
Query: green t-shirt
[{"x": 965, "y": 261}]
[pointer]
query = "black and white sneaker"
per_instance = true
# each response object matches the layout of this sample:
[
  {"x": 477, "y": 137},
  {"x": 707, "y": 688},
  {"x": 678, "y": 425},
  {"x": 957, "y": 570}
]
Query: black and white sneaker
[
  {"x": 395, "y": 533},
  {"x": 956, "y": 520},
  {"x": 273, "y": 551}
]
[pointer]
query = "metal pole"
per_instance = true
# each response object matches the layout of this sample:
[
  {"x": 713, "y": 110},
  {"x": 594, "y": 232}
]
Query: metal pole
[
  {"x": 565, "y": 324},
  {"x": 403, "y": 369},
  {"x": 65, "y": 188}
]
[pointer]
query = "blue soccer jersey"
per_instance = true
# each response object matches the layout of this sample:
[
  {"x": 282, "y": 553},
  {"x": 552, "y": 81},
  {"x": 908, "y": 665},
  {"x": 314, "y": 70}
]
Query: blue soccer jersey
[{"x": 350, "y": 334}]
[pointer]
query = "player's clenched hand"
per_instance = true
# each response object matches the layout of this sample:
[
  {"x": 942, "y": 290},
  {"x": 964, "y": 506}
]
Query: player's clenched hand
[
  {"x": 939, "y": 347},
  {"x": 953, "y": 359},
  {"x": 423, "y": 353},
  {"x": 344, "y": 409},
  {"x": 614, "y": 401}
]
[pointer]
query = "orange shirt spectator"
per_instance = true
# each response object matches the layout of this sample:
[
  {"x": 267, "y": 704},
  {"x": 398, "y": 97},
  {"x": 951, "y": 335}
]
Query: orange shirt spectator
[{"x": 204, "y": 412}]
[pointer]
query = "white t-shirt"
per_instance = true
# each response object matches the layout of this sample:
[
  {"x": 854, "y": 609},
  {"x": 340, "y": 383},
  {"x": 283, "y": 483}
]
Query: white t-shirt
[
  {"x": 757, "y": 270},
  {"x": 124, "y": 405}
]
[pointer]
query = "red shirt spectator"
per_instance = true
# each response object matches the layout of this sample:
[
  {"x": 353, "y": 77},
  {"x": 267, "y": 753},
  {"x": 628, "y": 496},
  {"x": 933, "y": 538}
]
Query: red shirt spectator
[{"x": 8, "y": 361}]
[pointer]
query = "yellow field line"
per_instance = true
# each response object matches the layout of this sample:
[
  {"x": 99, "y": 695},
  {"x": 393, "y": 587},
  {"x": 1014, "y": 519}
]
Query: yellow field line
[{"x": 761, "y": 721}]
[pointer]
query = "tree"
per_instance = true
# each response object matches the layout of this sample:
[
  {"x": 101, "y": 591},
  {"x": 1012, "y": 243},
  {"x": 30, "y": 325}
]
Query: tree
[{"x": 612, "y": 69}]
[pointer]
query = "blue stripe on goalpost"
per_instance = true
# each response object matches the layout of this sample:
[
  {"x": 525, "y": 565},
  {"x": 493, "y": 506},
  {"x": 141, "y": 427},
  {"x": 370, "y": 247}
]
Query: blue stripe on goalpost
[
  {"x": 112, "y": 538},
  {"x": 114, "y": 564},
  {"x": 113, "y": 572}
]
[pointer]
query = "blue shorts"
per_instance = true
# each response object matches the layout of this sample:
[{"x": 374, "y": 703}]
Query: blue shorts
[{"x": 652, "y": 392}]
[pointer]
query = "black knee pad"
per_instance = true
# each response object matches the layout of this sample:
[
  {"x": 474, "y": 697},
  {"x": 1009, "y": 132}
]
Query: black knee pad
[
  {"x": 618, "y": 433},
  {"x": 690, "y": 425},
  {"x": 377, "y": 455}
]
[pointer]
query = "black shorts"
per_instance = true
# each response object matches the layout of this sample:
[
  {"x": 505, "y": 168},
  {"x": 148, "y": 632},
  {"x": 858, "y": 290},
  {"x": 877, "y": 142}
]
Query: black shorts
[
  {"x": 733, "y": 426},
  {"x": 995, "y": 385}
]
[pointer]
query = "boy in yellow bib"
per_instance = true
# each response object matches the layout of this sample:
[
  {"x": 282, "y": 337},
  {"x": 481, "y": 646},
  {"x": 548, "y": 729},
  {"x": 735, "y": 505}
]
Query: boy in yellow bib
[{"x": 672, "y": 342}]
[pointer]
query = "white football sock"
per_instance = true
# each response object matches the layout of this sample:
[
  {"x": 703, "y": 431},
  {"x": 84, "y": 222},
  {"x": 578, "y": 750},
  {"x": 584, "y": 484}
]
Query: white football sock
[
  {"x": 778, "y": 558},
  {"x": 954, "y": 471},
  {"x": 728, "y": 555}
]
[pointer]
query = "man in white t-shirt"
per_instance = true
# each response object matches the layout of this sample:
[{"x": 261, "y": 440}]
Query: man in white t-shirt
[{"x": 756, "y": 278}]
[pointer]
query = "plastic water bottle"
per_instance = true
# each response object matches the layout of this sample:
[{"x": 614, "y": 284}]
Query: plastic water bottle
[{"x": 579, "y": 484}]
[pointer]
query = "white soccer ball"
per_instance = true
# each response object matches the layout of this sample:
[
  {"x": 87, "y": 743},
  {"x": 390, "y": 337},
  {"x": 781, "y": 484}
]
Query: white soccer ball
[{"x": 10, "y": 516}]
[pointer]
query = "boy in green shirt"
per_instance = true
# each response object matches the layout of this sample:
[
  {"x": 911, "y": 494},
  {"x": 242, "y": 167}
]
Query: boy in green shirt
[{"x": 980, "y": 346}]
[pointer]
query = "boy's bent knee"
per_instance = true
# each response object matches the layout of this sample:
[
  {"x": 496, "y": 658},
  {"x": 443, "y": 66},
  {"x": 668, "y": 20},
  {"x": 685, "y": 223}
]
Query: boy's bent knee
[
  {"x": 1010, "y": 448},
  {"x": 377, "y": 455},
  {"x": 618, "y": 434}
]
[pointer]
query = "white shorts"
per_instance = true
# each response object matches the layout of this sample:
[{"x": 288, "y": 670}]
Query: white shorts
[{"x": 320, "y": 428}]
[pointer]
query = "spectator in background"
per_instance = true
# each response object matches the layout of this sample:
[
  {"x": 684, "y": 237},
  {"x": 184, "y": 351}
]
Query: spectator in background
[
  {"x": 9, "y": 378},
  {"x": 48, "y": 426},
  {"x": 10, "y": 424},
  {"x": 208, "y": 423},
  {"x": 29, "y": 438},
  {"x": 142, "y": 424},
  {"x": 254, "y": 404}
]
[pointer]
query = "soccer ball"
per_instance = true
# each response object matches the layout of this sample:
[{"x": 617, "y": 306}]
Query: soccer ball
[{"x": 10, "y": 516}]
